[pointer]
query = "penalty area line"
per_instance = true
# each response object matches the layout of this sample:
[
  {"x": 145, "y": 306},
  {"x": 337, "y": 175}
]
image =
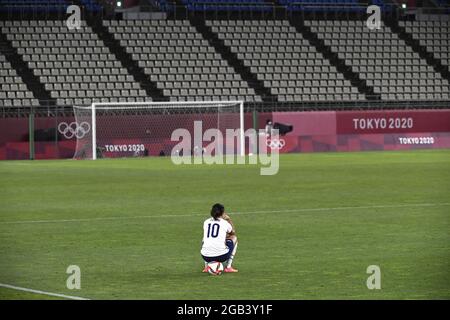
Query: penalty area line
[
  {"x": 42, "y": 292},
  {"x": 298, "y": 210}
]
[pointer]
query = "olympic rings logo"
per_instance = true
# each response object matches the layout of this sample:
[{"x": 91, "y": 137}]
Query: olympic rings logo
[
  {"x": 74, "y": 129},
  {"x": 275, "y": 143}
]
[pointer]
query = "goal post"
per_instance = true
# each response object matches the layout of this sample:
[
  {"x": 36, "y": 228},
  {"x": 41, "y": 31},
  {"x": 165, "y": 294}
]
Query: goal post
[{"x": 126, "y": 129}]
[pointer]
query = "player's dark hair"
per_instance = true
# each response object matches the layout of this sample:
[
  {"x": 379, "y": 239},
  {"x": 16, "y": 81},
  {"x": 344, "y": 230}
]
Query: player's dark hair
[{"x": 217, "y": 211}]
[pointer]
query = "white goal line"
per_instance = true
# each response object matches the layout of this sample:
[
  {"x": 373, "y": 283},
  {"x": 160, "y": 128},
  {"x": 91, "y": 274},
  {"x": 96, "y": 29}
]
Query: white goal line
[
  {"x": 393, "y": 206},
  {"x": 41, "y": 292}
]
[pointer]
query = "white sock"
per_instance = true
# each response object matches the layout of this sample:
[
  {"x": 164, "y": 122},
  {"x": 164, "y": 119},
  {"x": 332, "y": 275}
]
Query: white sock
[{"x": 230, "y": 260}]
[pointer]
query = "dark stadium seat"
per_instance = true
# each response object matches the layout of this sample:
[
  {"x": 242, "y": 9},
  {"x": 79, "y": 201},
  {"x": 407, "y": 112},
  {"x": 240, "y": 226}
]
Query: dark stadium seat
[
  {"x": 347, "y": 6},
  {"x": 323, "y": 5},
  {"x": 229, "y": 5},
  {"x": 334, "y": 5},
  {"x": 444, "y": 4},
  {"x": 44, "y": 6}
]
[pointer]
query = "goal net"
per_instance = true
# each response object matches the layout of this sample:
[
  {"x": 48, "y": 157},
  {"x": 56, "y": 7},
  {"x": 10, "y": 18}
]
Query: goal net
[{"x": 136, "y": 129}]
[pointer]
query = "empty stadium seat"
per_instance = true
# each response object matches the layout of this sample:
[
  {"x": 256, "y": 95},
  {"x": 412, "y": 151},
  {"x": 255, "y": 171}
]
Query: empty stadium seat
[
  {"x": 432, "y": 35},
  {"x": 64, "y": 60},
  {"x": 288, "y": 64},
  {"x": 76, "y": 67},
  {"x": 230, "y": 5},
  {"x": 386, "y": 62},
  {"x": 183, "y": 64},
  {"x": 323, "y": 5},
  {"x": 13, "y": 92}
]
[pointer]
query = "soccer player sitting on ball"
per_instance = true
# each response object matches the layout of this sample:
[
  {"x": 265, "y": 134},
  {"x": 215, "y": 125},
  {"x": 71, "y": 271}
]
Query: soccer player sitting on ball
[{"x": 219, "y": 239}]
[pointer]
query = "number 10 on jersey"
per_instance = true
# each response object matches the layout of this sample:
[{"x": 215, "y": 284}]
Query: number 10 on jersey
[{"x": 213, "y": 231}]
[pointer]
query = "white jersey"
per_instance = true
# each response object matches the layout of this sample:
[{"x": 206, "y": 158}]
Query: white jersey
[{"x": 214, "y": 237}]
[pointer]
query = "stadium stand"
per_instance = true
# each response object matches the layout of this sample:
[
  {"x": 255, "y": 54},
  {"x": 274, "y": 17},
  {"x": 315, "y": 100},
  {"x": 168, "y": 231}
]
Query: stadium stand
[
  {"x": 284, "y": 60},
  {"x": 91, "y": 5},
  {"x": 331, "y": 6},
  {"x": 162, "y": 5},
  {"x": 180, "y": 61},
  {"x": 433, "y": 35},
  {"x": 13, "y": 92},
  {"x": 387, "y": 63},
  {"x": 231, "y": 5},
  {"x": 74, "y": 66},
  {"x": 33, "y": 5},
  {"x": 21, "y": 6},
  {"x": 293, "y": 59},
  {"x": 323, "y": 5},
  {"x": 444, "y": 4},
  {"x": 268, "y": 5}
]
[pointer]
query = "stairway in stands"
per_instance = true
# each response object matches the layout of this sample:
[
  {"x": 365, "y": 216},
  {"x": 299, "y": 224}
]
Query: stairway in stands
[
  {"x": 238, "y": 65},
  {"x": 124, "y": 57},
  {"x": 333, "y": 58},
  {"x": 421, "y": 50},
  {"x": 233, "y": 60},
  {"x": 31, "y": 81},
  {"x": 340, "y": 65},
  {"x": 258, "y": 85}
]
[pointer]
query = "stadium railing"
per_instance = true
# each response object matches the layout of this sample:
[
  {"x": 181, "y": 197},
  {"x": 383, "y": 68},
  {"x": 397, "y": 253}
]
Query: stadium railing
[{"x": 50, "y": 110}]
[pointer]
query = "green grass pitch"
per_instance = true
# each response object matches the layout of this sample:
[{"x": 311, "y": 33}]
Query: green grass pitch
[{"x": 134, "y": 227}]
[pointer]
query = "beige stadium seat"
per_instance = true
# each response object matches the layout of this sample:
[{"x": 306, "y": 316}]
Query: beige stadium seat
[
  {"x": 385, "y": 60},
  {"x": 172, "y": 50},
  {"x": 13, "y": 91},
  {"x": 433, "y": 35},
  {"x": 275, "y": 52},
  {"x": 61, "y": 56}
]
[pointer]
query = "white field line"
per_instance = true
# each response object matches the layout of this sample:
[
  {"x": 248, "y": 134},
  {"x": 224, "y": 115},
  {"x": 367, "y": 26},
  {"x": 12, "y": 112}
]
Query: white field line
[
  {"x": 393, "y": 206},
  {"x": 42, "y": 292}
]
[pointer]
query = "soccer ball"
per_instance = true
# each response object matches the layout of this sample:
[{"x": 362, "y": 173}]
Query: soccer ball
[{"x": 215, "y": 268}]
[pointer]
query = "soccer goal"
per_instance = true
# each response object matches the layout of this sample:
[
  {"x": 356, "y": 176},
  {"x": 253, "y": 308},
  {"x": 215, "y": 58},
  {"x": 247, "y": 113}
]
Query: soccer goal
[{"x": 133, "y": 129}]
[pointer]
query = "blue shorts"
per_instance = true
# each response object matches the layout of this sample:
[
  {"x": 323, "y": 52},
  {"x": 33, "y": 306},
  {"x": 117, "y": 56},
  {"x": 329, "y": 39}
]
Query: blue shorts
[{"x": 224, "y": 257}]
